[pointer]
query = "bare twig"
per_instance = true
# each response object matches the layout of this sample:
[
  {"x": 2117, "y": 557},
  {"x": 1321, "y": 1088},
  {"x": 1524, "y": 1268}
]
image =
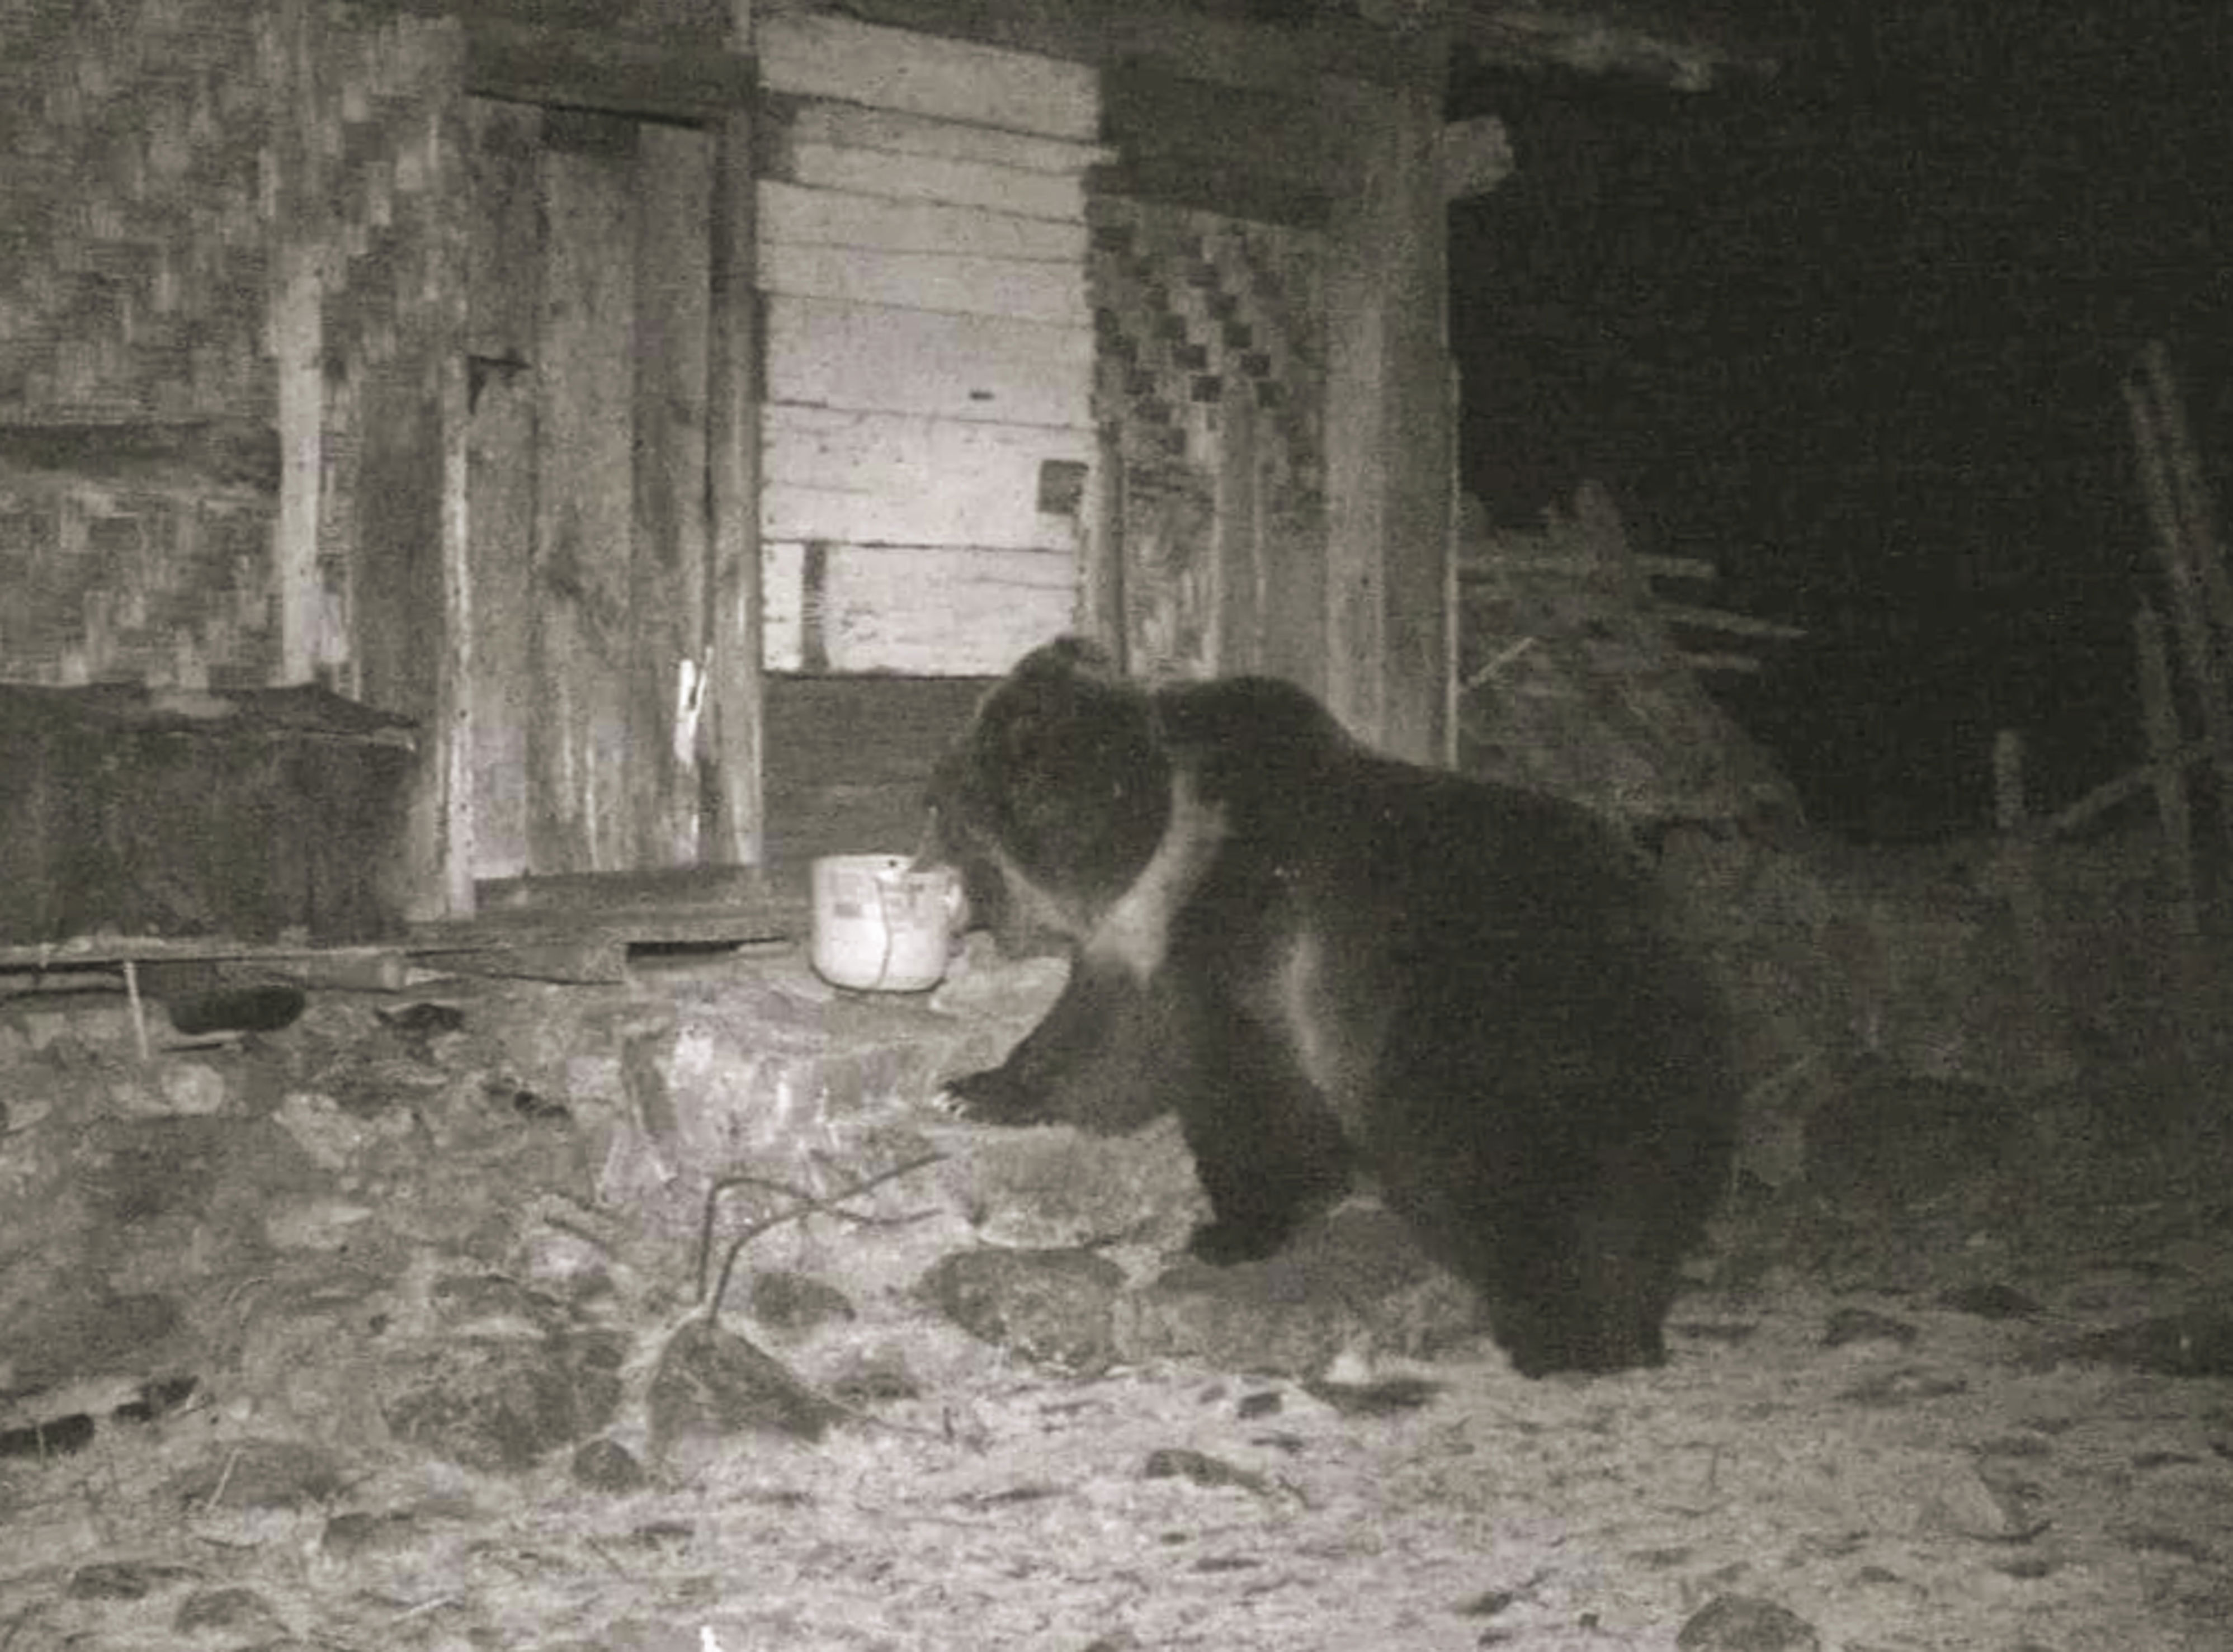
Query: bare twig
[{"x": 804, "y": 1202}]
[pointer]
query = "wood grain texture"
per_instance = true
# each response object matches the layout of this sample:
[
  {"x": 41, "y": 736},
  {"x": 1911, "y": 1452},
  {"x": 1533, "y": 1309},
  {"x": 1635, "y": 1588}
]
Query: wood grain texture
[
  {"x": 919, "y": 610},
  {"x": 792, "y": 214},
  {"x": 1019, "y": 288},
  {"x": 901, "y": 478},
  {"x": 934, "y": 177},
  {"x": 896, "y": 69},
  {"x": 878, "y": 358},
  {"x": 579, "y": 786}
]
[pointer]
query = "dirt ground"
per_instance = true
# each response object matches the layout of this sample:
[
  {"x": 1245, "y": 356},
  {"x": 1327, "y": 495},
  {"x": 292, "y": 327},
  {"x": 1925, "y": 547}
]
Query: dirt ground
[{"x": 1976, "y": 1397}]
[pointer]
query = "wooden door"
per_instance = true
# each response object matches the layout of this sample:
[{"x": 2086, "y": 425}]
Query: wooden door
[{"x": 587, "y": 496}]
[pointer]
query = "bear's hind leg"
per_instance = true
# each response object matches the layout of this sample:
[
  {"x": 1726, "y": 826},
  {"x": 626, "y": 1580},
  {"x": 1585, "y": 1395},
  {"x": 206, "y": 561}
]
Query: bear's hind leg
[
  {"x": 1583, "y": 1314},
  {"x": 1575, "y": 1276}
]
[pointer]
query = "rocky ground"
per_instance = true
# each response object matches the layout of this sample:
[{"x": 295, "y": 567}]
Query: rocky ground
[{"x": 395, "y": 1328}]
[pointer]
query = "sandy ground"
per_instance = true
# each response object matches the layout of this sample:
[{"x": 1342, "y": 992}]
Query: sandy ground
[{"x": 1883, "y": 1416}]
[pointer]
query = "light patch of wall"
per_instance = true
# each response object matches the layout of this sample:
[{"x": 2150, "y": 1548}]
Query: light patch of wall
[{"x": 927, "y": 433}]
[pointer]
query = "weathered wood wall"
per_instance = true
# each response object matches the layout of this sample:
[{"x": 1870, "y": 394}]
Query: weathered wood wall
[
  {"x": 222, "y": 237},
  {"x": 927, "y": 429},
  {"x": 139, "y": 477},
  {"x": 999, "y": 393},
  {"x": 849, "y": 761},
  {"x": 1212, "y": 379}
]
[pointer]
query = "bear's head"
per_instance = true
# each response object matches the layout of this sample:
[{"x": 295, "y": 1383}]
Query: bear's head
[{"x": 1061, "y": 782}]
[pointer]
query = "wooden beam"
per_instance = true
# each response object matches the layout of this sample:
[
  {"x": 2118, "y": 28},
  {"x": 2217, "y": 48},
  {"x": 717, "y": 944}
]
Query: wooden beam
[
  {"x": 932, "y": 72},
  {"x": 568, "y": 69},
  {"x": 1245, "y": 152},
  {"x": 1226, "y": 50}
]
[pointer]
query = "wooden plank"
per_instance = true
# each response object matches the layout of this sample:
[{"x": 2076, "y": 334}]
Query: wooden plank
[
  {"x": 932, "y": 177},
  {"x": 503, "y": 294},
  {"x": 674, "y": 184},
  {"x": 815, "y": 120},
  {"x": 729, "y": 743},
  {"x": 892, "y": 478},
  {"x": 922, "y": 610},
  {"x": 504, "y": 146},
  {"x": 298, "y": 346},
  {"x": 820, "y": 55},
  {"x": 500, "y": 510},
  {"x": 1100, "y": 556},
  {"x": 618, "y": 894},
  {"x": 402, "y": 589},
  {"x": 578, "y": 747},
  {"x": 1023, "y": 290},
  {"x": 320, "y": 966},
  {"x": 850, "y": 759},
  {"x": 454, "y": 741},
  {"x": 876, "y": 358},
  {"x": 833, "y": 217}
]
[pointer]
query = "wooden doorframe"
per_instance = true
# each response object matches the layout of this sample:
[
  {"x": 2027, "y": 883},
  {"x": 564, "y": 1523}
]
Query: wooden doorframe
[{"x": 714, "y": 89}]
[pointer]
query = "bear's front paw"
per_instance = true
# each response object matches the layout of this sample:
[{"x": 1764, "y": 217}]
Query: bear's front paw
[
  {"x": 994, "y": 1097},
  {"x": 1222, "y": 1244}
]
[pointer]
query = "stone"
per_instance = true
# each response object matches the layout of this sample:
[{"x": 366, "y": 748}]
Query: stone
[
  {"x": 1355, "y": 1275},
  {"x": 607, "y": 1466},
  {"x": 1743, "y": 1623},
  {"x": 503, "y": 1404},
  {"x": 783, "y": 1299},
  {"x": 226, "y": 1612},
  {"x": 192, "y": 1086},
  {"x": 1053, "y": 1308},
  {"x": 259, "y": 1474},
  {"x": 358, "y": 1533},
  {"x": 710, "y": 1383},
  {"x": 123, "y": 1579}
]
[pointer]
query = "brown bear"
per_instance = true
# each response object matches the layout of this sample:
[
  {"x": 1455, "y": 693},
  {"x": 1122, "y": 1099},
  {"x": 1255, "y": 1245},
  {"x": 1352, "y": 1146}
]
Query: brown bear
[{"x": 1324, "y": 958}]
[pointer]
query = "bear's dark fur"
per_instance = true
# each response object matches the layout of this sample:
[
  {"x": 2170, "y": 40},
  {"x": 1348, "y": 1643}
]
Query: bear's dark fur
[{"x": 1323, "y": 958}]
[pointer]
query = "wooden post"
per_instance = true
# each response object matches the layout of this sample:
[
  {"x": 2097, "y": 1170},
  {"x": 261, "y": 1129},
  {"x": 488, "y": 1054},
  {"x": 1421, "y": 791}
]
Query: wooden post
[
  {"x": 731, "y": 745},
  {"x": 2166, "y": 765},
  {"x": 2019, "y": 860},
  {"x": 2189, "y": 490},
  {"x": 2189, "y": 615},
  {"x": 1387, "y": 484},
  {"x": 2164, "y": 758},
  {"x": 1100, "y": 613}
]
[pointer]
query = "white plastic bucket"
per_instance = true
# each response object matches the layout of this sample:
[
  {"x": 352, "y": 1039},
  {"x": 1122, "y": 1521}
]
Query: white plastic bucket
[{"x": 882, "y": 923}]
